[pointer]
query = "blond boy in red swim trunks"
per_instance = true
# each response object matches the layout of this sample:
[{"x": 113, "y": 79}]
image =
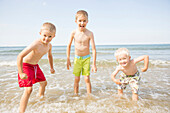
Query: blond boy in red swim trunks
[{"x": 29, "y": 71}]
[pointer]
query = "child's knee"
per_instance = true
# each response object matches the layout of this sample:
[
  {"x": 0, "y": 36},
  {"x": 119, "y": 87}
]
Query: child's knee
[
  {"x": 87, "y": 79},
  {"x": 77, "y": 79},
  {"x": 43, "y": 84},
  {"x": 28, "y": 90}
]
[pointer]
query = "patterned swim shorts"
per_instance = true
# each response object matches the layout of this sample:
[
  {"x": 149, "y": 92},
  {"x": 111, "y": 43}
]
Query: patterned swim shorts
[{"x": 132, "y": 80}]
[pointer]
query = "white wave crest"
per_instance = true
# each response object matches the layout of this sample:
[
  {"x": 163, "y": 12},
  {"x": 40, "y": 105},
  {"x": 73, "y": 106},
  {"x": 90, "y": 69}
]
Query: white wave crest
[
  {"x": 159, "y": 62},
  {"x": 8, "y": 63}
]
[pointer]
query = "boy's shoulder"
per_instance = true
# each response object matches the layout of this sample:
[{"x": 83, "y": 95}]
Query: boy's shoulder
[
  {"x": 89, "y": 32},
  {"x": 73, "y": 32},
  {"x": 133, "y": 61},
  {"x": 38, "y": 42},
  {"x": 35, "y": 42}
]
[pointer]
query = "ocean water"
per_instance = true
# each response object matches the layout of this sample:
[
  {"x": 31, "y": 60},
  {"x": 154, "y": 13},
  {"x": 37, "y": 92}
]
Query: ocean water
[{"x": 154, "y": 94}]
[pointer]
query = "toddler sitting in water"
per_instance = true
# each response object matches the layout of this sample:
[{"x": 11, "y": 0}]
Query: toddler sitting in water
[{"x": 130, "y": 73}]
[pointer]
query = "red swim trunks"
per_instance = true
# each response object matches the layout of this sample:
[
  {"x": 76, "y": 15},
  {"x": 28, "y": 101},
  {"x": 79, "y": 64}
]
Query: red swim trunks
[{"x": 34, "y": 74}]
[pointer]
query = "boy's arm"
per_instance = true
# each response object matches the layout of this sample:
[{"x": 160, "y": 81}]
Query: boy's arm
[
  {"x": 145, "y": 58},
  {"x": 50, "y": 58},
  {"x": 68, "y": 50},
  {"x": 113, "y": 75},
  {"x": 20, "y": 57},
  {"x": 94, "y": 68}
]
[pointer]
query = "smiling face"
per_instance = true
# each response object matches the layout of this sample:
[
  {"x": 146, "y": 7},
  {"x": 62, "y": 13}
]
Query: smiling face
[
  {"x": 46, "y": 36},
  {"x": 123, "y": 59},
  {"x": 81, "y": 22}
]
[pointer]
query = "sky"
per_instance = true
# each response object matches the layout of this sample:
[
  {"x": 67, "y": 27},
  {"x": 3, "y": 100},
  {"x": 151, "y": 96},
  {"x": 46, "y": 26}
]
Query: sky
[{"x": 111, "y": 21}]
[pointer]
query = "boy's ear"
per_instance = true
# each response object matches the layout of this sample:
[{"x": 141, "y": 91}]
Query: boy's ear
[
  {"x": 129, "y": 57},
  {"x": 40, "y": 33}
]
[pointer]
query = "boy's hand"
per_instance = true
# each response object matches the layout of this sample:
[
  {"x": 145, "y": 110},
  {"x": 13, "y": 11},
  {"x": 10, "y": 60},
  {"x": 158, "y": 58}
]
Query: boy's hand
[
  {"x": 23, "y": 76},
  {"x": 68, "y": 63},
  {"x": 117, "y": 81},
  {"x": 143, "y": 69},
  {"x": 94, "y": 69},
  {"x": 52, "y": 71}
]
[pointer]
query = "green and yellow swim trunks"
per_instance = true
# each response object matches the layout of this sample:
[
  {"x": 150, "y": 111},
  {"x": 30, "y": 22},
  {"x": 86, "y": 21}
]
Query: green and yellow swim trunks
[{"x": 81, "y": 64}]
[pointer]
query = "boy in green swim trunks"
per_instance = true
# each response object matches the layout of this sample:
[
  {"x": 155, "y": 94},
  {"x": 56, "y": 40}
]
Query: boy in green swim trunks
[
  {"x": 130, "y": 73},
  {"x": 82, "y": 38}
]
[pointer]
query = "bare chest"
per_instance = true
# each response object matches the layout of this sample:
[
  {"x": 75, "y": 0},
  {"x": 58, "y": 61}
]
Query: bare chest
[
  {"x": 81, "y": 38},
  {"x": 130, "y": 70},
  {"x": 41, "y": 50}
]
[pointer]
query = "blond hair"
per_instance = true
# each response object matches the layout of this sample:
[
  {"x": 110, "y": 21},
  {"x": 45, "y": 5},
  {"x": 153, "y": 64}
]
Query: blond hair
[
  {"x": 48, "y": 26},
  {"x": 81, "y": 12},
  {"x": 122, "y": 51}
]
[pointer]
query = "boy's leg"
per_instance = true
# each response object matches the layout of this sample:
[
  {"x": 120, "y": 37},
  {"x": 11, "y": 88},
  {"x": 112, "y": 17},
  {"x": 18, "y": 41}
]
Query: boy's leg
[
  {"x": 134, "y": 84},
  {"x": 76, "y": 84},
  {"x": 86, "y": 73},
  {"x": 42, "y": 88},
  {"x": 120, "y": 89},
  {"x": 88, "y": 83},
  {"x": 120, "y": 92},
  {"x": 135, "y": 96},
  {"x": 24, "y": 99}
]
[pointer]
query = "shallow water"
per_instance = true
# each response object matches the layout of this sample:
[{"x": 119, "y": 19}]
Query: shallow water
[{"x": 154, "y": 94}]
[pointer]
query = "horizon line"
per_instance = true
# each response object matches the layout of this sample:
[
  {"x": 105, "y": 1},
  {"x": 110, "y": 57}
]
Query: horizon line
[{"x": 96, "y": 44}]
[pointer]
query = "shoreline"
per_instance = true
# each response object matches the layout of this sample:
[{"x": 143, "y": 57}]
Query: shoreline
[{"x": 120, "y": 44}]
